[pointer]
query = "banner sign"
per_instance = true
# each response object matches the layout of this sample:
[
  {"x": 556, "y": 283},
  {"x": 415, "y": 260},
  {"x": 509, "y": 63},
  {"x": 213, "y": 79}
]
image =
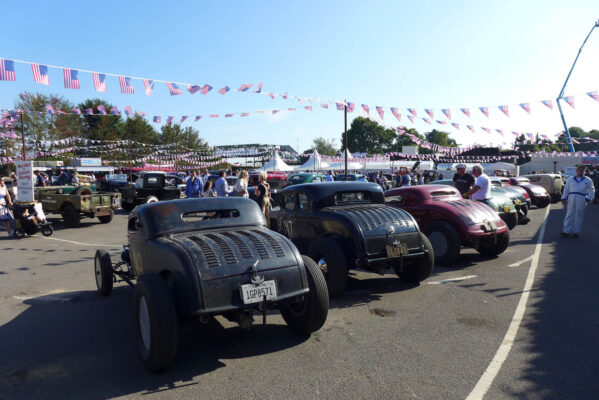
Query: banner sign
[{"x": 25, "y": 180}]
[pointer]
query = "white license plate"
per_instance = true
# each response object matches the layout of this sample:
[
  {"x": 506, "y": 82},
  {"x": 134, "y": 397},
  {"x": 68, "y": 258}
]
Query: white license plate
[{"x": 255, "y": 293}]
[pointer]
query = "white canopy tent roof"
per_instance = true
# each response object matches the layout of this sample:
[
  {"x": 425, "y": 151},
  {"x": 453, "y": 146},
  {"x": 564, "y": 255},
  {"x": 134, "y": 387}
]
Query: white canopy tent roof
[
  {"x": 350, "y": 165},
  {"x": 276, "y": 164},
  {"x": 314, "y": 164}
]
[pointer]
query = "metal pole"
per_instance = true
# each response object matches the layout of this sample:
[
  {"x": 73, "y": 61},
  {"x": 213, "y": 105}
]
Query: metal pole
[
  {"x": 561, "y": 93},
  {"x": 346, "y": 149},
  {"x": 130, "y": 159},
  {"x": 23, "y": 136}
]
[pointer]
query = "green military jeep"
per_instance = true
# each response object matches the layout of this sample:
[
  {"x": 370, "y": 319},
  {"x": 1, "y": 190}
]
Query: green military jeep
[{"x": 73, "y": 203}]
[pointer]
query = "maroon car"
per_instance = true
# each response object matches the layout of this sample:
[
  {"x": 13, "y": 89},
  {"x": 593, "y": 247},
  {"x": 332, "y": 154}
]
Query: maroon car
[
  {"x": 538, "y": 195},
  {"x": 450, "y": 221},
  {"x": 505, "y": 182}
]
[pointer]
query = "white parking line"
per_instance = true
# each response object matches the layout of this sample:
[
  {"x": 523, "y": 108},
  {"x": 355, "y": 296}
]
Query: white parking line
[
  {"x": 486, "y": 380},
  {"x": 517, "y": 264},
  {"x": 79, "y": 243},
  {"x": 461, "y": 278}
]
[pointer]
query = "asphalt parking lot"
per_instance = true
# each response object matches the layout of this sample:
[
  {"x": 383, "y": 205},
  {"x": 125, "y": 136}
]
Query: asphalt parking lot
[{"x": 383, "y": 338}]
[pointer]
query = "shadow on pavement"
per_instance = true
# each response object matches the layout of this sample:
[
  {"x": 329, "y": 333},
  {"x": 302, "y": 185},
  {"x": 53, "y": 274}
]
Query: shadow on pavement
[
  {"x": 361, "y": 291},
  {"x": 563, "y": 317},
  {"x": 80, "y": 345}
]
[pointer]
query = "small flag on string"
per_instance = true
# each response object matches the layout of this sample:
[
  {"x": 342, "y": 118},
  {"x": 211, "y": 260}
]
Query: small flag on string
[
  {"x": 99, "y": 82},
  {"x": 169, "y": 119},
  {"x": 271, "y": 95},
  {"x": 366, "y": 108},
  {"x": 570, "y": 100},
  {"x": 213, "y": 115},
  {"x": 89, "y": 111},
  {"x": 441, "y": 122},
  {"x": 505, "y": 110},
  {"x": 447, "y": 112},
  {"x": 224, "y": 90},
  {"x": 245, "y": 87},
  {"x": 485, "y": 129},
  {"x": 457, "y": 126},
  {"x": 484, "y": 110},
  {"x": 285, "y": 96},
  {"x": 340, "y": 106},
  {"x": 411, "y": 118},
  {"x": 466, "y": 111},
  {"x": 499, "y": 131},
  {"x": 548, "y": 103},
  {"x": 128, "y": 111},
  {"x": 149, "y": 86},
  {"x": 324, "y": 105},
  {"x": 413, "y": 112},
  {"x": 193, "y": 88},
  {"x": 430, "y": 112},
  {"x": 351, "y": 106},
  {"x": 156, "y": 119},
  {"x": 141, "y": 113},
  {"x": 40, "y": 74},
  {"x": 102, "y": 110},
  {"x": 428, "y": 121},
  {"x": 245, "y": 114},
  {"x": 309, "y": 108},
  {"x": 71, "y": 80},
  {"x": 50, "y": 109},
  {"x": 470, "y": 127},
  {"x": 299, "y": 99},
  {"x": 525, "y": 107},
  {"x": 515, "y": 133},
  {"x": 275, "y": 111},
  {"x": 593, "y": 95},
  {"x": 126, "y": 85},
  {"x": 183, "y": 118},
  {"x": 114, "y": 110},
  {"x": 173, "y": 89},
  {"x": 395, "y": 113},
  {"x": 258, "y": 88},
  {"x": 291, "y": 109},
  {"x": 228, "y": 115},
  {"x": 205, "y": 89},
  {"x": 197, "y": 118},
  {"x": 7, "y": 70},
  {"x": 76, "y": 110},
  {"x": 61, "y": 112},
  {"x": 380, "y": 111}
]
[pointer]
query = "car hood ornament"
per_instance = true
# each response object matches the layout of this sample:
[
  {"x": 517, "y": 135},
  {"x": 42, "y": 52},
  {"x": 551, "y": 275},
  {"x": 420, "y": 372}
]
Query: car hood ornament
[{"x": 256, "y": 279}]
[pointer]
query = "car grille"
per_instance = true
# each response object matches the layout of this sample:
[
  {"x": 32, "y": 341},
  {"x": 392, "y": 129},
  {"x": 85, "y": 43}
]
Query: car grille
[{"x": 372, "y": 216}]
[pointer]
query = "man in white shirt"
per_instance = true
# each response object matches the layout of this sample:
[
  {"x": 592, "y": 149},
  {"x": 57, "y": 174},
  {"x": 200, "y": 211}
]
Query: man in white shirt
[
  {"x": 481, "y": 191},
  {"x": 578, "y": 192}
]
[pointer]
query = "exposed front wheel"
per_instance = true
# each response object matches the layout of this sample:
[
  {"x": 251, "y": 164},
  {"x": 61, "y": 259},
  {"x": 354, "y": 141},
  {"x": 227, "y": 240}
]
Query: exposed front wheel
[
  {"x": 542, "y": 203},
  {"x": 510, "y": 219},
  {"x": 330, "y": 258},
  {"x": 417, "y": 270},
  {"x": 104, "y": 219},
  {"x": 308, "y": 314},
  {"x": 103, "y": 272},
  {"x": 71, "y": 216},
  {"x": 445, "y": 241},
  {"x": 489, "y": 248},
  {"x": 156, "y": 322}
]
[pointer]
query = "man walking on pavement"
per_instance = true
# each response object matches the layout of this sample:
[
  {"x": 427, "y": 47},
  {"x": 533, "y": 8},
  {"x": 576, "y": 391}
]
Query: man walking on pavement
[
  {"x": 578, "y": 192},
  {"x": 193, "y": 186}
]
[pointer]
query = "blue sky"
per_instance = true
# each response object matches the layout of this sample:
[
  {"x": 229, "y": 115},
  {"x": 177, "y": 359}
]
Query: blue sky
[{"x": 428, "y": 54}]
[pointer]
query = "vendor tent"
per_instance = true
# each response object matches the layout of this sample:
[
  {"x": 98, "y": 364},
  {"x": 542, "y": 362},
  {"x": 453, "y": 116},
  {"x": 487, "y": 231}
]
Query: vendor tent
[
  {"x": 276, "y": 164},
  {"x": 351, "y": 164},
  {"x": 315, "y": 163}
]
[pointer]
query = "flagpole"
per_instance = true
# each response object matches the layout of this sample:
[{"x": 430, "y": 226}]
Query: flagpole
[
  {"x": 346, "y": 149},
  {"x": 23, "y": 136}
]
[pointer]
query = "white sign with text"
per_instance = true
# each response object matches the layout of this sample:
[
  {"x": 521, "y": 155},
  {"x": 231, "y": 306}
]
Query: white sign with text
[{"x": 25, "y": 181}]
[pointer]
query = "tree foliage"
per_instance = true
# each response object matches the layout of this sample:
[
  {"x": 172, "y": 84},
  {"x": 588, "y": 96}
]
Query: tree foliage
[
  {"x": 324, "y": 146},
  {"x": 441, "y": 138},
  {"x": 367, "y": 136}
]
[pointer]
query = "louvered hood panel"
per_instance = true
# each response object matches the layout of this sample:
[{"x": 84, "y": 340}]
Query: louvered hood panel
[
  {"x": 378, "y": 219},
  {"x": 229, "y": 252}
]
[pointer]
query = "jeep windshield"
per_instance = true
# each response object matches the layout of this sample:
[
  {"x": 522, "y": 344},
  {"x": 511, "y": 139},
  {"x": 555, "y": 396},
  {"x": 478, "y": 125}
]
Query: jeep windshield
[
  {"x": 352, "y": 197},
  {"x": 116, "y": 177}
]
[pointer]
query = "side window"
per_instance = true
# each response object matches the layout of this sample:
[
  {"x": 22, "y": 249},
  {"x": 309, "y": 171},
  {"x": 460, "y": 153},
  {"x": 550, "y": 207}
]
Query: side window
[
  {"x": 289, "y": 203},
  {"x": 302, "y": 201},
  {"x": 132, "y": 226},
  {"x": 317, "y": 179}
]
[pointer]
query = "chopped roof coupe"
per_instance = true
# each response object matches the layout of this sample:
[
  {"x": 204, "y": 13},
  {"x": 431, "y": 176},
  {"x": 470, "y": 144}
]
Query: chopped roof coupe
[
  {"x": 306, "y": 177},
  {"x": 205, "y": 257},
  {"x": 538, "y": 195},
  {"x": 450, "y": 221},
  {"x": 344, "y": 225},
  {"x": 350, "y": 177}
]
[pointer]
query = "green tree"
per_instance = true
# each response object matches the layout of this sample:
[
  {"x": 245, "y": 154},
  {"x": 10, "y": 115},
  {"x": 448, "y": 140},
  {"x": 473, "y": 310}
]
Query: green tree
[
  {"x": 367, "y": 136},
  {"x": 101, "y": 127},
  {"x": 441, "y": 138},
  {"x": 402, "y": 140},
  {"x": 324, "y": 146},
  {"x": 185, "y": 139},
  {"x": 138, "y": 129}
]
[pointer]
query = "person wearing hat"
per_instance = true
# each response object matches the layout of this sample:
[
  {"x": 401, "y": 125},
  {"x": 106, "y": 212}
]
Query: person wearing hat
[
  {"x": 462, "y": 180},
  {"x": 481, "y": 191},
  {"x": 578, "y": 192}
]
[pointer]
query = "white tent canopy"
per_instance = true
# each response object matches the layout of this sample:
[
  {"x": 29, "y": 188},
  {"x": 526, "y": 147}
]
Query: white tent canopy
[
  {"x": 350, "y": 165},
  {"x": 315, "y": 163},
  {"x": 276, "y": 164}
]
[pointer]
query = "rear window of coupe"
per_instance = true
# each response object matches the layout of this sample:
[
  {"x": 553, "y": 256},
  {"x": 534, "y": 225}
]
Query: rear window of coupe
[
  {"x": 350, "y": 197},
  {"x": 440, "y": 193}
]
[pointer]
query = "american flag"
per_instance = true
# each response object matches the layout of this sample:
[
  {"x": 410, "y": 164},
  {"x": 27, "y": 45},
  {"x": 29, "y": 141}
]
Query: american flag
[
  {"x": 275, "y": 111},
  {"x": 441, "y": 122},
  {"x": 548, "y": 103},
  {"x": 505, "y": 110},
  {"x": 40, "y": 74},
  {"x": 515, "y": 133},
  {"x": 224, "y": 90},
  {"x": 324, "y": 105},
  {"x": 99, "y": 82},
  {"x": 7, "y": 70},
  {"x": 309, "y": 108},
  {"x": 71, "y": 80},
  {"x": 245, "y": 114},
  {"x": 351, "y": 106},
  {"x": 128, "y": 111},
  {"x": 271, "y": 95},
  {"x": 470, "y": 127},
  {"x": 499, "y": 131},
  {"x": 228, "y": 115},
  {"x": 570, "y": 100},
  {"x": 413, "y": 112},
  {"x": 115, "y": 110},
  {"x": 205, "y": 89},
  {"x": 525, "y": 107},
  {"x": 484, "y": 110},
  {"x": 126, "y": 87},
  {"x": 593, "y": 95},
  {"x": 169, "y": 120},
  {"x": 429, "y": 112},
  {"x": 258, "y": 88},
  {"x": 193, "y": 88},
  {"x": 411, "y": 118},
  {"x": 395, "y": 113},
  {"x": 299, "y": 99},
  {"x": 340, "y": 106},
  {"x": 381, "y": 112},
  {"x": 213, "y": 115},
  {"x": 457, "y": 126},
  {"x": 285, "y": 96},
  {"x": 50, "y": 109},
  {"x": 89, "y": 111},
  {"x": 366, "y": 108},
  {"x": 291, "y": 109},
  {"x": 245, "y": 87},
  {"x": 447, "y": 112},
  {"x": 149, "y": 85},
  {"x": 197, "y": 118},
  {"x": 428, "y": 121},
  {"x": 157, "y": 119},
  {"x": 141, "y": 113},
  {"x": 183, "y": 118},
  {"x": 61, "y": 112},
  {"x": 76, "y": 111},
  {"x": 173, "y": 89},
  {"x": 102, "y": 109},
  {"x": 485, "y": 129},
  {"x": 466, "y": 111}
]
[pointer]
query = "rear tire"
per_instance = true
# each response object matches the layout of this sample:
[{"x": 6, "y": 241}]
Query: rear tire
[
  {"x": 330, "y": 258},
  {"x": 156, "y": 322},
  {"x": 104, "y": 219},
  {"x": 47, "y": 230},
  {"x": 415, "y": 271},
  {"x": 495, "y": 249},
  {"x": 310, "y": 314},
  {"x": 542, "y": 203},
  {"x": 103, "y": 272},
  {"x": 71, "y": 216},
  {"x": 510, "y": 219},
  {"x": 445, "y": 241}
]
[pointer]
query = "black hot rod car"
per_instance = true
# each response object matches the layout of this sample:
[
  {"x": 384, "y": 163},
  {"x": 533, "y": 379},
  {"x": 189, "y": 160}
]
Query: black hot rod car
[
  {"x": 344, "y": 225},
  {"x": 206, "y": 257}
]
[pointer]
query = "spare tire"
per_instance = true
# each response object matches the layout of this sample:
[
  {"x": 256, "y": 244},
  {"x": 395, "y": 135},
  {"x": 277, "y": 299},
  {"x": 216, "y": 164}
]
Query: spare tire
[{"x": 82, "y": 191}]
